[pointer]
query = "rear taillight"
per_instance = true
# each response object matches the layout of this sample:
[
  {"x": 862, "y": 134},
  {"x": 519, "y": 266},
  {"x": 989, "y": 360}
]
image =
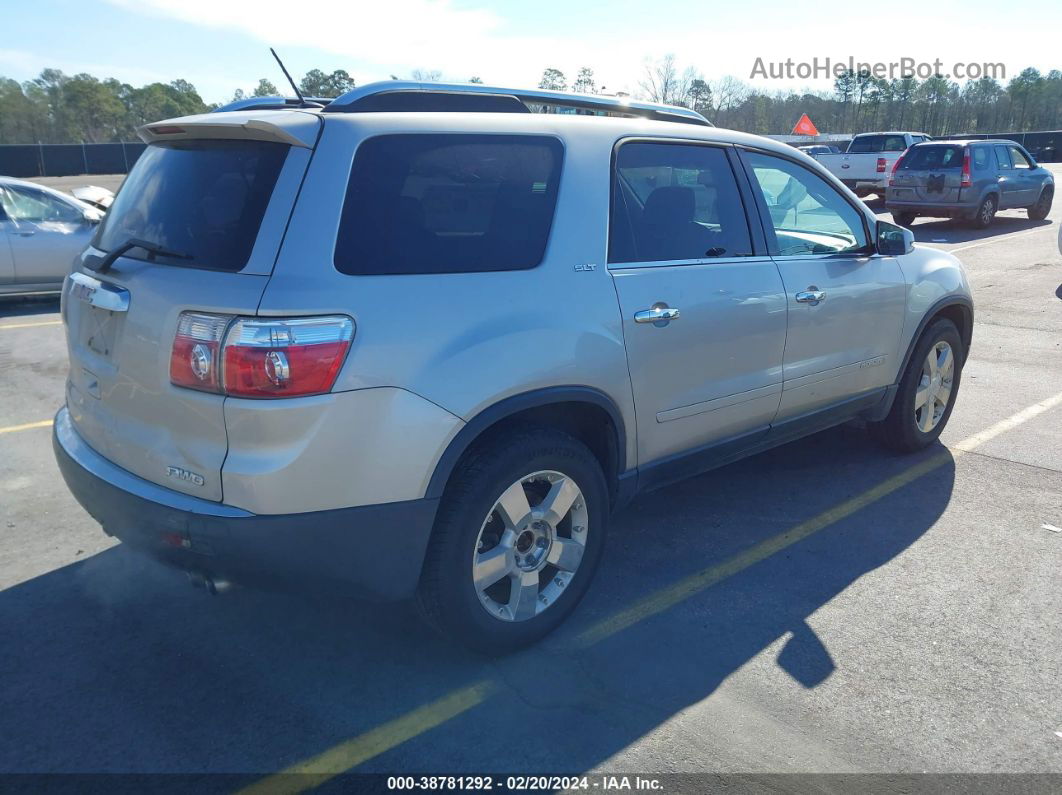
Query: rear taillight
[
  {"x": 967, "y": 178},
  {"x": 895, "y": 168},
  {"x": 195, "y": 361},
  {"x": 285, "y": 358},
  {"x": 259, "y": 357},
  {"x": 882, "y": 165}
]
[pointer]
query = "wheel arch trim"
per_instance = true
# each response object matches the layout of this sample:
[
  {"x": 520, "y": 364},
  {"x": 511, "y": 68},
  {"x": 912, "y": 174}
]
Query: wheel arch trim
[
  {"x": 949, "y": 300},
  {"x": 515, "y": 404}
]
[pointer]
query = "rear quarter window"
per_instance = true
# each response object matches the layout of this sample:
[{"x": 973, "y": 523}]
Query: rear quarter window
[
  {"x": 204, "y": 199},
  {"x": 448, "y": 203}
]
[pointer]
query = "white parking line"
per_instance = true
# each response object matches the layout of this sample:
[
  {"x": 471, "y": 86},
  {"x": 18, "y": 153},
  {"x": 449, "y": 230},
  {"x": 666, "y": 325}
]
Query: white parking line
[{"x": 998, "y": 239}]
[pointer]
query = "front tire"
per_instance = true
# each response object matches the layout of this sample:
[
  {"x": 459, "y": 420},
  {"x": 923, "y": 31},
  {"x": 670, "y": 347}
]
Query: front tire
[
  {"x": 519, "y": 535},
  {"x": 1040, "y": 210},
  {"x": 927, "y": 392}
]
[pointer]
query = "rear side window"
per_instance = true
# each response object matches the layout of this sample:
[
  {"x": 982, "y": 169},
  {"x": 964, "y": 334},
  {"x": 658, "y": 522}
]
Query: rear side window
[
  {"x": 935, "y": 156},
  {"x": 877, "y": 143},
  {"x": 201, "y": 199},
  {"x": 1002, "y": 158},
  {"x": 426, "y": 203},
  {"x": 675, "y": 202},
  {"x": 980, "y": 157}
]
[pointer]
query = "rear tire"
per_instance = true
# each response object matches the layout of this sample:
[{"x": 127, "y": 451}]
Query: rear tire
[
  {"x": 533, "y": 565},
  {"x": 1040, "y": 210},
  {"x": 904, "y": 219},
  {"x": 986, "y": 213},
  {"x": 927, "y": 392}
]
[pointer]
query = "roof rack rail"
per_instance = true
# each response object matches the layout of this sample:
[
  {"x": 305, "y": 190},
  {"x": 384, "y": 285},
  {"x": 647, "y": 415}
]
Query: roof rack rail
[
  {"x": 405, "y": 95},
  {"x": 272, "y": 103}
]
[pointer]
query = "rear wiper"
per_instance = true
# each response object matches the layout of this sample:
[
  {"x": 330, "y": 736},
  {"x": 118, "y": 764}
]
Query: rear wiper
[{"x": 153, "y": 249}]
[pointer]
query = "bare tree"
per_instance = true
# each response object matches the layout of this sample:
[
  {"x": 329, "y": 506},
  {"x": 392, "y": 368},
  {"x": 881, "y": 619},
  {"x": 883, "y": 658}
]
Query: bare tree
[
  {"x": 427, "y": 75},
  {"x": 729, "y": 92},
  {"x": 661, "y": 79}
]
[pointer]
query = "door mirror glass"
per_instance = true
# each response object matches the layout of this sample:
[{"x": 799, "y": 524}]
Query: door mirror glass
[{"x": 894, "y": 240}]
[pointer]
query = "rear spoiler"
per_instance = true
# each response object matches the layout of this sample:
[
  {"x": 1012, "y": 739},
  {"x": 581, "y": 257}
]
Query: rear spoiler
[{"x": 287, "y": 127}]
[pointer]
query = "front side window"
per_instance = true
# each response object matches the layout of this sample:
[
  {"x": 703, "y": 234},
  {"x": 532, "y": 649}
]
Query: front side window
[
  {"x": 448, "y": 203},
  {"x": 201, "y": 199},
  {"x": 675, "y": 202},
  {"x": 1018, "y": 158},
  {"x": 26, "y": 204},
  {"x": 807, "y": 214}
]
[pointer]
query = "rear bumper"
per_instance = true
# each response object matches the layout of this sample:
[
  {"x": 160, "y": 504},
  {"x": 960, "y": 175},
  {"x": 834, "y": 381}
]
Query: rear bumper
[
  {"x": 373, "y": 551},
  {"x": 932, "y": 209},
  {"x": 864, "y": 184}
]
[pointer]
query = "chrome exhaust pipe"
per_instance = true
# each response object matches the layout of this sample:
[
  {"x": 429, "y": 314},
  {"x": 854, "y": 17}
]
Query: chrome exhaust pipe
[{"x": 209, "y": 584}]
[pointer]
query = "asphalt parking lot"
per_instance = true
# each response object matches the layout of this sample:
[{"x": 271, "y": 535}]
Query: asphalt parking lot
[{"x": 824, "y": 607}]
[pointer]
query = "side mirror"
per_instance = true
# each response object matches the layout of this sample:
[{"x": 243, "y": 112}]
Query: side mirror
[{"x": 893, "y": 240}]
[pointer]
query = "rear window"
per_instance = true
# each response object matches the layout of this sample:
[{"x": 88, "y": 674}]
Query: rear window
[
  {"x": 201, "y": 199},
  {"x": 426, "y": 203},
  {"x": 933, "y": 157},
  {"x": 877, "y": 143}
]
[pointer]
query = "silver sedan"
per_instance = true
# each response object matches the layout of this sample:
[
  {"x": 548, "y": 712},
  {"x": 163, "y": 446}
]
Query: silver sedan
[{"x": 41, "y": 231}]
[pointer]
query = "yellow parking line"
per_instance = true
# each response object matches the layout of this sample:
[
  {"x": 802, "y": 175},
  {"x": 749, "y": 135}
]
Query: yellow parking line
[
  {"x": 693, "y": 584},
  {"x": 341, "y": 758},
  {"x": 32, "y": 325},
  {"x": 27, "y": 426},
  {"x": 353, "y": 752}
]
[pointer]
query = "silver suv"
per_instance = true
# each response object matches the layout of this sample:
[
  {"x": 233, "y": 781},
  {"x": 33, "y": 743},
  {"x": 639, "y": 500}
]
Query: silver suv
[{"x": 422, "y": 342}]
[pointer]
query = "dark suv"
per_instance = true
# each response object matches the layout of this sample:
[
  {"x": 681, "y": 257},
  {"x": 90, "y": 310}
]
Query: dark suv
[{"x": 969, "y": 180}]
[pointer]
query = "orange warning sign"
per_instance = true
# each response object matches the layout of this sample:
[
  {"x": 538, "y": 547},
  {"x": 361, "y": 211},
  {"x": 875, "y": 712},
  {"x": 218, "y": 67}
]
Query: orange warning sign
[{"x": 805, "y": 127}]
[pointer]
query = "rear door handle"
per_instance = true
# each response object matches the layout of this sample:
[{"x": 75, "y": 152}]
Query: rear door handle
[
  {"x": 812, "y": 295},
  {"x": 658, "y": 314}
]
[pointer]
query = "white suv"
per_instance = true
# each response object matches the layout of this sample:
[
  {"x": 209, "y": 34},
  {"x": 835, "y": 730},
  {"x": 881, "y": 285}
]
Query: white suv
[{"x": 423, "y": 341}]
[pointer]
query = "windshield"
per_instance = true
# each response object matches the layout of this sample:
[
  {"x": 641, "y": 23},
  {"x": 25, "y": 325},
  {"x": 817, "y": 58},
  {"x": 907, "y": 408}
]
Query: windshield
[
  {"x": 203, "y": 198},
  {"x": 933, "y": 157},
  {"x": 877, "y": 143}
]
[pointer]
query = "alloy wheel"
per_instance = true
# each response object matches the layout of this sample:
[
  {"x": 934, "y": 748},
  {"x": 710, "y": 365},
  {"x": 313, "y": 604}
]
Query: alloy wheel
[
  {"x": 530, "y": 546},
  {"x": 934, "y": 387},
  {"x": 988, "y": 211}
]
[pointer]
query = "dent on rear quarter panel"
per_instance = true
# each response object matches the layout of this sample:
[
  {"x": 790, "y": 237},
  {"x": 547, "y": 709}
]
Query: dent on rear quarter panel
[{"x": 339, "y": 450}]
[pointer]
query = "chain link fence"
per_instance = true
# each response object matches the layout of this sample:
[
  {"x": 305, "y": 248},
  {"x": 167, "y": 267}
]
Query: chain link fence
[{"x": 66, "y": 160}]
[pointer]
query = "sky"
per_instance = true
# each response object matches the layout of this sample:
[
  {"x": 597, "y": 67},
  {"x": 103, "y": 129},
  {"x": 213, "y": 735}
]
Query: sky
[{"x": 222, "y": 45}]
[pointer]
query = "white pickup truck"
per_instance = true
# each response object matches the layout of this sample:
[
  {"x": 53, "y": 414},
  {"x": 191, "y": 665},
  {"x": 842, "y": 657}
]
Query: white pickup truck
[{"x": 866, "y": 164}]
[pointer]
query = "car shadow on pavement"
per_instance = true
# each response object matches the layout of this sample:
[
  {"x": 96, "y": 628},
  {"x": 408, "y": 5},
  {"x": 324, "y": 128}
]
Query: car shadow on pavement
[
  {"x": 115, "y": 664},
  {"x": 946, "y": 231},
  {"x": 28, "y": 306}
]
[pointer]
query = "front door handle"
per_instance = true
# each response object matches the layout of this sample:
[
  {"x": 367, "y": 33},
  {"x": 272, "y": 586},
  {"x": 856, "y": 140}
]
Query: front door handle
[
  {"x": 659, "y": 314},
  {"x": 812, "y": 295},
  {"x": 27, "y": 232}
]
